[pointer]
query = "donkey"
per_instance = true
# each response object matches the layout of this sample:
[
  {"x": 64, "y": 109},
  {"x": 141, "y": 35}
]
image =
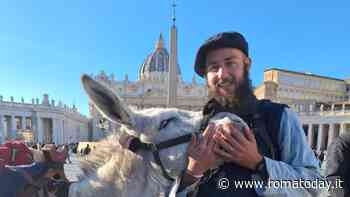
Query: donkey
[{"x": 163, "y": 135}]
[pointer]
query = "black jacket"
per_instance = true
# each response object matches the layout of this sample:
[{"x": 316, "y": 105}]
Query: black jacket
[
  {"x": 338, "y": 165},
  {"x": 263, "y": 117}
]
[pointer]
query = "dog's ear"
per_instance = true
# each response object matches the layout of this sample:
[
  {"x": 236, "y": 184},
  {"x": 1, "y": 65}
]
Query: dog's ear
[{"x": 108, "y": 103}]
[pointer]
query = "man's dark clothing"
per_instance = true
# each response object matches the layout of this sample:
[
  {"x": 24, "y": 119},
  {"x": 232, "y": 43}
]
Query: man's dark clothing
[
  {"x": 338, "y": 165},
  {"x": 255, "y": 113}
]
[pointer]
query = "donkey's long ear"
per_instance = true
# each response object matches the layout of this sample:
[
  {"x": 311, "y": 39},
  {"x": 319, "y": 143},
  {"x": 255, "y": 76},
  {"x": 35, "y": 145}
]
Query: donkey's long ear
[{"x": 107, "y": 102}]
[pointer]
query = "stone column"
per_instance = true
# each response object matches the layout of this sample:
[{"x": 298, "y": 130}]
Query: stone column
[
  {"x": 40, "y": 130},
  {"x": 342, "y": 128},
  {"x": 331, "y": 133},
  {"x": 35, "y": 127},
  {"x": 310, "y": 135},
  {"x": 63, "y": 136},
  {"x": 315, "y": 131},
  {"x": 311, "y": 108},
  {"x": 57, "y": 131},
  {"x": 13, "y": 127},
  {"x": 320, "y": 137},
  {"x": 54, "y": 132},
  {"x": 2, "y": 131},
  {"x": 23, "y": 122}
]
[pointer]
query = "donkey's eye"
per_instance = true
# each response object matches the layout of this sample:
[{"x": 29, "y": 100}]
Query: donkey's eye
[{"x": 165, "y": 122}]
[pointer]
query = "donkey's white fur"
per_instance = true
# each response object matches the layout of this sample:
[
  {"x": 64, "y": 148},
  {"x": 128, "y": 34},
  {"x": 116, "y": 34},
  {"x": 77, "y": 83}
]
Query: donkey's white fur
[{"x": 113, "y": 171}]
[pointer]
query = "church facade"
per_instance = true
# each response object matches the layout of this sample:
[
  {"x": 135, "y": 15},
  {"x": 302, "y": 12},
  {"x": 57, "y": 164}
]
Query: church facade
[{"x": 151, "y": 89}]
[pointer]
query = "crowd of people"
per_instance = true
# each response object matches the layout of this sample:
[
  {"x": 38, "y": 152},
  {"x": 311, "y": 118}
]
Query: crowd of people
[
  {"x": 72, "y": 148},
  {"x": 86, "y": 150},
  {"x": 20, "y": 163}
]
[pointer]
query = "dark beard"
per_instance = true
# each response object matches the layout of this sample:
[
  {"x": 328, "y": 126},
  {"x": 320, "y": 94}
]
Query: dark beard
[{"x": 240, "y": 99}]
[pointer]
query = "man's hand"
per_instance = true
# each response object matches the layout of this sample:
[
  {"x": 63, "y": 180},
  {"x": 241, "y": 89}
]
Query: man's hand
[
  {"x": 201, "y": 152},
  {"x": 201, "y": 157},
  {"x": 233, "y": 146}
]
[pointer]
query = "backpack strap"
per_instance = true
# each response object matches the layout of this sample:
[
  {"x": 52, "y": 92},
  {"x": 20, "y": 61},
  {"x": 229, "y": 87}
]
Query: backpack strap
[{"x": 271, "y": 114}]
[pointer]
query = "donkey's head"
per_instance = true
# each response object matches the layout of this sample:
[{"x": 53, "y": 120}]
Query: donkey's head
[{"x": 150, "y": 126}]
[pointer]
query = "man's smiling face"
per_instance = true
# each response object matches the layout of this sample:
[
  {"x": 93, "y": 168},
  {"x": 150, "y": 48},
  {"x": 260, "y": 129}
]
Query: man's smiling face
[{"x": 225, "y": 71}]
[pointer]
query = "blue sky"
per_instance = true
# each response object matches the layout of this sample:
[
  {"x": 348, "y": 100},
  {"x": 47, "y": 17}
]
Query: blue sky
[{"x": 46, "y": 45}]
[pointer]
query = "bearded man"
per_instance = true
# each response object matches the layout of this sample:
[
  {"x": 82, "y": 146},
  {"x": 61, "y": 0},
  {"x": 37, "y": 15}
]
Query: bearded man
[{"x": 273, "y": 148}]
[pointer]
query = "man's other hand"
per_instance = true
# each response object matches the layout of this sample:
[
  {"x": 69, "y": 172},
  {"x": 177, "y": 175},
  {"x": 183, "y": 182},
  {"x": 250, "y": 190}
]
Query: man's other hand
[
  {"x": 201, "y": 152},
  {"x": 235, "y": 146}
]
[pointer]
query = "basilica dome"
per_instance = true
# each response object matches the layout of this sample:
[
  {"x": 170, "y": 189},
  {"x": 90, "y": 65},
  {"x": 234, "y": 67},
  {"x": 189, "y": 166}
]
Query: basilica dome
[{"x": 156, "y": 65}]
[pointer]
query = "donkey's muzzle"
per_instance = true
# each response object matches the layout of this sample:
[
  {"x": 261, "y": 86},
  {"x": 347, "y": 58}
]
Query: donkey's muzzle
[{"x": 135, "y": 145}]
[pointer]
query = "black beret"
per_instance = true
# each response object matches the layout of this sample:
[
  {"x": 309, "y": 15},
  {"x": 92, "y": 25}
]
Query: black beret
[{"x": 220, "y": 40}]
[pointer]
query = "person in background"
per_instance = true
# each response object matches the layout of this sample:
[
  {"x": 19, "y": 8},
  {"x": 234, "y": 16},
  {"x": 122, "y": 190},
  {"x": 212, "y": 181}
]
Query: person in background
[
  {"x": 68, "y": 152},
  {"x": 87, "y": 150},
  {"x": 22, "y": 180},
  {"x": 338, "y": 166}
]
